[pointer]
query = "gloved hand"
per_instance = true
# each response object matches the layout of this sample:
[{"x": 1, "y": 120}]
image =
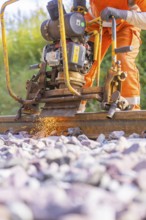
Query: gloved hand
[{"x": 108, "y": 12}]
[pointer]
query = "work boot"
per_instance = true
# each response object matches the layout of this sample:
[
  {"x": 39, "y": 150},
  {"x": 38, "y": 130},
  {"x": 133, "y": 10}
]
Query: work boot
[
  {"x": 135, "y": 107},
  {"x": 82, "y": 108}
]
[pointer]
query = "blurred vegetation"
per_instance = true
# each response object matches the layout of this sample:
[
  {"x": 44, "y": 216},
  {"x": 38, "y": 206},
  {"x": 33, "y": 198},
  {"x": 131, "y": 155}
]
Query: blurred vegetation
[{"x": 25, "y": 47}]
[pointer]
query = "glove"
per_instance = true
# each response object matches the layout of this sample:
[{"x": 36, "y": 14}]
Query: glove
[{"x": 108, "y": 12}]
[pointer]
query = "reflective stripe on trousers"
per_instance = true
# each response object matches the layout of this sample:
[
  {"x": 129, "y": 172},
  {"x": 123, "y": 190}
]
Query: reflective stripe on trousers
[{"x": 133, "y": 100}]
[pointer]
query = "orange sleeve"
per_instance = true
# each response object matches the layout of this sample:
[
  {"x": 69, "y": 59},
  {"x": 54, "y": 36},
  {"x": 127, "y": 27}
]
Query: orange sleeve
[
  {"x": 88, "y": 17},
  {"x": 141, "y": 4}
]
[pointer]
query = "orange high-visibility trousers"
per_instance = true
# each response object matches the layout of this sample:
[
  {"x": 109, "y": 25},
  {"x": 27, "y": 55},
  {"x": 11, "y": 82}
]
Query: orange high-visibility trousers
[{"x": 127, "y": 35}]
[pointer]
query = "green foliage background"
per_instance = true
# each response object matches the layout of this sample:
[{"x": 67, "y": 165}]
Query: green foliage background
[{"x": 25, "y": 46}]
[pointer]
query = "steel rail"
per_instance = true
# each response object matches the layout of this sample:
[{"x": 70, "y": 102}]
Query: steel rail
[
  {"x": 91, "y": 124},
  {"x": 9, "y": 123}
]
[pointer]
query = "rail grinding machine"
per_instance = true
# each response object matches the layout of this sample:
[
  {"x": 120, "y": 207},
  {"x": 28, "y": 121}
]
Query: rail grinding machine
[{"x": 68, "y": 60}]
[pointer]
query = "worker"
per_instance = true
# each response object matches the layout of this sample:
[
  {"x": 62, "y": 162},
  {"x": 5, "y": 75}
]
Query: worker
[
  {"x": 138, "y": 19},
  {"x": 127, "y": 34}
]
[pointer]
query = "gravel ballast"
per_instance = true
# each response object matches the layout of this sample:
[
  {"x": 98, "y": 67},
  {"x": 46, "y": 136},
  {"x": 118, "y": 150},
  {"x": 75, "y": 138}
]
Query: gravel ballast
[{"x": 72, "y": 178}]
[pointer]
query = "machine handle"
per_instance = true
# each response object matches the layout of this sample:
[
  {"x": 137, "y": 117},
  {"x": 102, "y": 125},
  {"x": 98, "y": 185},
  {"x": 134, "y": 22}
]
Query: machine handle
[
  {"x": 123, "y": 49},
  {"x": 64, "y": 49},
  {"x": 5, "y": 50},
  {"x": 34, "y": 66}
]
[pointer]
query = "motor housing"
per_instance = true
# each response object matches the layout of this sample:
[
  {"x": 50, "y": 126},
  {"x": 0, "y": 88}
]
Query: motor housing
[
  {"x": 79, "y": 52},
  {"x": 76, "y": 55},
  {"x": 74, "y": 25}
]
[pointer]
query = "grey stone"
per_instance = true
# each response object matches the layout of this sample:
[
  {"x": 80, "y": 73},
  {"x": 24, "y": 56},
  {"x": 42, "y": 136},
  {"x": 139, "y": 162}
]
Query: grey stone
[
  {"x": 133, "y": 149},
  {"x": 65, "y": 178},
  {"x": 101, "y": 138},
  {"x": 116, "y": 134},
  {"x": 74, "y": 131},
  {"x": 4, "y": 213},
  {"x": 20, "y": 211},
  {"x": 134, "y": 135},
  {"x": 1, "y": 143},
  {"x": 82, "y": 137},
  {"x": 140, "y": 166},
  {"x": 75, "y": 217}
]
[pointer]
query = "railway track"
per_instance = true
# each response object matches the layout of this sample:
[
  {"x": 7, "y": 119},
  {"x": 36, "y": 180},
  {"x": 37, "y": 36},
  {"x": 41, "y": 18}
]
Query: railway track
[{"x": 92, "y": 124}]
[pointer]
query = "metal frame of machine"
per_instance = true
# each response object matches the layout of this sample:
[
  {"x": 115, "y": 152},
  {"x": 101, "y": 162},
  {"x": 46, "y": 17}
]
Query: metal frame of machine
[{"x": 64, "y": 100}]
